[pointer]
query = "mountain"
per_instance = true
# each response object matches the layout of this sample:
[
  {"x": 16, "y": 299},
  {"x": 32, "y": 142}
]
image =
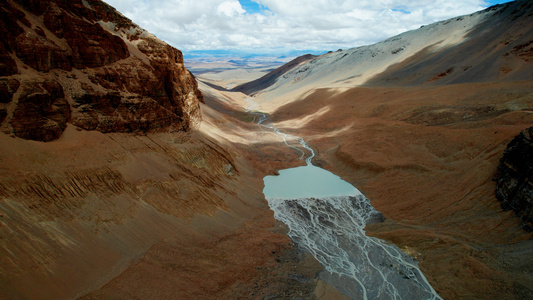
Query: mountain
[
  {"x": 491, "y": 45},
  {"x": 83, "y": 63},
  {"x": 270, "y": 78}
]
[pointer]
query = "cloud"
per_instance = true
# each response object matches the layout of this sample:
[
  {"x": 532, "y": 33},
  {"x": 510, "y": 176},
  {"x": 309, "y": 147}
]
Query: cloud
[
  {"x": 230, "y": 9},
  {"x": 286, "y": 24}
]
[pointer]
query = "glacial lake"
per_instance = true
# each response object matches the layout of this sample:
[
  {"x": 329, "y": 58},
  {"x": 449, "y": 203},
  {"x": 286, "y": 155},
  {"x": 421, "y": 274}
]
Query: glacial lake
[{"x": 306, "y": 182}]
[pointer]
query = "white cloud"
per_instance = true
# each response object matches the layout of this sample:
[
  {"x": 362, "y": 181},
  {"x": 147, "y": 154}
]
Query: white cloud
[
  {"x": 287, "y": 24},
  {"x": 230, "y": 9}
]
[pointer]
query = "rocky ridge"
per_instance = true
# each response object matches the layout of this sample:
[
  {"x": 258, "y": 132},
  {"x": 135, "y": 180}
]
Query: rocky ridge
[
  {"x": 82, "y": 62},
  {"x": 513, "y": 178}
]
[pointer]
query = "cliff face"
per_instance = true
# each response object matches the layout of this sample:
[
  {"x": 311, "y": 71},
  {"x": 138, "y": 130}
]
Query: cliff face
[
  {"x": 82, "y": 62},
  {"x": 515, "y": 172}
]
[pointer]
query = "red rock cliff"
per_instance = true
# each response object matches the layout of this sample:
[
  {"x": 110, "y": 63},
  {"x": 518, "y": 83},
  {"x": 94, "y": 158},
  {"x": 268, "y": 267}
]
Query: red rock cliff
[{"x": 82, "y": 62}]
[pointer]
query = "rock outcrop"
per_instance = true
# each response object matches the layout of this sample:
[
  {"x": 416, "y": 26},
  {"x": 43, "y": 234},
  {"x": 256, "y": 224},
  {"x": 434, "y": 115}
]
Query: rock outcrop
[
  {"x": 515, "y": 172},
  {"x": 82, "y": 62}
]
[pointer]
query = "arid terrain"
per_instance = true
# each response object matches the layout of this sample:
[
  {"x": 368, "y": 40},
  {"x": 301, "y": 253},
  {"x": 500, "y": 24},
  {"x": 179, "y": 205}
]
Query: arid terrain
[
  {"x": 111, "y": 185},
  {"x": 432, "y": 181},
  {"x": 131, "y": 178},
  {"x": 422, "y": 137}
]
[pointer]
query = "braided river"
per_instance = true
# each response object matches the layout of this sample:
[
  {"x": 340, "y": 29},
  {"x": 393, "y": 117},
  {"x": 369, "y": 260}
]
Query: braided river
[{"x": 326, "y": 217}]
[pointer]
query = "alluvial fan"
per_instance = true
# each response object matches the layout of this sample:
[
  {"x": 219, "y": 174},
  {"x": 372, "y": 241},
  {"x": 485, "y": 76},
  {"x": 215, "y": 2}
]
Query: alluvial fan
[{"x": 362, "y": 267}]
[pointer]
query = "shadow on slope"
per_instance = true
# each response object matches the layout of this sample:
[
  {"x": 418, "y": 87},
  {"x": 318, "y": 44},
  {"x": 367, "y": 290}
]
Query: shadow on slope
[
  {"x": 269, "y": 79},
  {"x": 499, "y": 48}
]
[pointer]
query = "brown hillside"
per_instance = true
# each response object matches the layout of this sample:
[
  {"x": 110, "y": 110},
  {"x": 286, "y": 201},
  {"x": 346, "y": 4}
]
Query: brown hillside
[{"x": 425, "y": 156}]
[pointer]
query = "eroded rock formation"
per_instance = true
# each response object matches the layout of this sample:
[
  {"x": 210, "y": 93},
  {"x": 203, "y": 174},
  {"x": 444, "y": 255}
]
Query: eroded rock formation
[
  {"x": 515, "y": 172},
  {"x": 82, "y": 62}
]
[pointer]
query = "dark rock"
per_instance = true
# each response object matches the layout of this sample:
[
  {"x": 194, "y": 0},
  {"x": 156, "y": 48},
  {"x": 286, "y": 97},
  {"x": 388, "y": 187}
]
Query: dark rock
[
  {"x": 41, "y": 54},
  {"x": 514, "y": 187},
  {"x": 9, "y": 30},
  {"x": 113, "y": 113},
  {"x": 42, "y": 111},
  {"x": 8, "y": 66},
  {"x": 8, "y": 87}
]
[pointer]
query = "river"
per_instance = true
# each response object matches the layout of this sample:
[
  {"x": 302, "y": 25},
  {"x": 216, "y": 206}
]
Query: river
[{"x": 326, "y": 216}]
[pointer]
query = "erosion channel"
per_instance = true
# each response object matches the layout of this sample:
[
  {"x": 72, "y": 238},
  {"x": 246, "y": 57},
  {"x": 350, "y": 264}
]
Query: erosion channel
[{"x": 327, "y": 216}]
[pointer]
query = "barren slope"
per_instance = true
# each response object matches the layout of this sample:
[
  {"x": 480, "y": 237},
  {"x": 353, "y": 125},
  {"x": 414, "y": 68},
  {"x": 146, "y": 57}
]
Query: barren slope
[
  {"x": 491, "y": 45},
  {"x": 145, "y": 211}
]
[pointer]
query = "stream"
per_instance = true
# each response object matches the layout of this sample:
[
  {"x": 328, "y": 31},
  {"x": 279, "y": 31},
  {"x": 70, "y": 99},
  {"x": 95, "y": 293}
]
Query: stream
[{"x": 327, "y": 216}]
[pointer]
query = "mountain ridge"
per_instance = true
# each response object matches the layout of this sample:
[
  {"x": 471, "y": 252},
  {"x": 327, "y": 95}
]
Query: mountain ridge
[{"x": 400, "y": 59}]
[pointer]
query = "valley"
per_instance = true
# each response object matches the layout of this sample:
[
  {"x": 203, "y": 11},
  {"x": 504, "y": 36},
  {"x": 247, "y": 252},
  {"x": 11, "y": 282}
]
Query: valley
[
  {"x": 424, "y": 152},
  {"x": 428, "y": 169},
  {"x": 131, "y": 177}
]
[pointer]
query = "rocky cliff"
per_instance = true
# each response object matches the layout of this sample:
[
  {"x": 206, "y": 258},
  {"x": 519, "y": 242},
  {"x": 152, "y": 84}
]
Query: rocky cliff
[
  {"x": 515, "y": 172},
  {"x": 82, "y": 62}
]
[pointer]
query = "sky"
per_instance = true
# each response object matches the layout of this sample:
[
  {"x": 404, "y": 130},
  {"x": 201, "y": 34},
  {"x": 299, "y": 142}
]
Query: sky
[{"x": 280, "y": 26}]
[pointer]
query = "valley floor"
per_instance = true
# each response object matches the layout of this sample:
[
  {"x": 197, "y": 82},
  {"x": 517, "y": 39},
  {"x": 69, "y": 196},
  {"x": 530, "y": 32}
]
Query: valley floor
[{"x": 425, "y": 156}]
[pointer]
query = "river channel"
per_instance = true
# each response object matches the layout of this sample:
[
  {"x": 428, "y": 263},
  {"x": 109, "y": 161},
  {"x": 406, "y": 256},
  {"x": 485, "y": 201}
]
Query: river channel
[{"x": 327, "y": 216}]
